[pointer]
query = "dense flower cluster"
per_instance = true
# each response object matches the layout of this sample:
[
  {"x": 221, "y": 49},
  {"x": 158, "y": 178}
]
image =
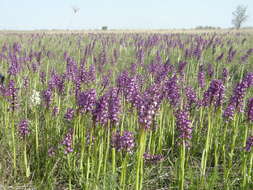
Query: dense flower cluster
[
  {"x": 12, "y": 94},
  {"x": 181, "y": 66},
  {"x": 250, "y": 109},
  {"x": 231, "y": 54},
  {"x": 128, "y": 86},
  {"x": 197, "y": 51},
  {"x": 191, "y": 96},
  {"x": 124, "y": 142},
  {"x": 248, "y": 80},
  {"x": 152, "y": 158},
  {"x": 183, "y": 125},
  {"x": 201, "y": 77},
  {"x": 236, "y": 100},
  {"x": 23, "y": 128},
  {"x": 214, "y": 94},
  {"x": 100, "y": 113},
  {"x": 249, "y": 144},
  {"x": 165, "y": 70},
  {"x": 86, "y": 100},
  {"x": 69, "y": 114},
  {"x": 148, "y": 105},
  {"x": 55, "y": 111},
  {"x": 25, "y": 82},
  {"x": 114, "y": 106},
  {"x": 15, "y": 66},
  {"x": 246, "y": 56},
  {"x": 172, "y": 90},
  {"x": 225, "y": 74},
  {"x": 71, "y": 69},
  {"x": 47, "y": 96},
  {"x": 108, "y": 108},
  {"x": 57, "y": 82},
  {"x": 67, "y": 142},
  {"x": 87, "y": 75},
  {"x": 229, "y": 112}
]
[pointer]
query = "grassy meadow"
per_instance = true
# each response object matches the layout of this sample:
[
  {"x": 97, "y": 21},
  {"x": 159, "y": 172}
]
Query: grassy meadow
[{"x": 127, "y": 110}]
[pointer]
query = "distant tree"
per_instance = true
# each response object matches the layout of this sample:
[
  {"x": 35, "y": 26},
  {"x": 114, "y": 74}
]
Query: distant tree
[
  {"x": 207, "y": 28},
  {"x": 239, "y": 16},
  {"x": 104, "y": 28}
]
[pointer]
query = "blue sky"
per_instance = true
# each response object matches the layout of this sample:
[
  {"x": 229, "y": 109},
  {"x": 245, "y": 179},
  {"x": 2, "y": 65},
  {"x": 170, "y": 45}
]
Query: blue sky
[{"x": 118, "y": 14}]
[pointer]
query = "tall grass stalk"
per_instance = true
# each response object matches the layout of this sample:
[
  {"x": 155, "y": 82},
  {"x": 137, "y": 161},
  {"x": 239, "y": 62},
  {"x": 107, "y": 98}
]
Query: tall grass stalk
[
  {"x": 139, "y": 164},
  {"x": 181, "y": 176},
  {"x": 14, "y": 147},
  {"x": 206, "y": 149}
]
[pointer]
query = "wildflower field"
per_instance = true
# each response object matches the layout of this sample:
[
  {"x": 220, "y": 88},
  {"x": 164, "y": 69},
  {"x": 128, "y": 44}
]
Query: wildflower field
[{"x": 126, "y": 111}]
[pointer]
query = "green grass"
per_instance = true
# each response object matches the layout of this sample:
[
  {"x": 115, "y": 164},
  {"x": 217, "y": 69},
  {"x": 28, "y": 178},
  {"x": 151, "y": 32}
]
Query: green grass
[{"x": 215, "y": 158}]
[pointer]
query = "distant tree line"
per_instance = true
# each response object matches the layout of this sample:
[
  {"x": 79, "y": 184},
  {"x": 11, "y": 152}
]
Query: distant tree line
[
  {"x": 240, "y": 16},
  {"x": 104, "y": 27},
  {"x": 207, "y": 28}
]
